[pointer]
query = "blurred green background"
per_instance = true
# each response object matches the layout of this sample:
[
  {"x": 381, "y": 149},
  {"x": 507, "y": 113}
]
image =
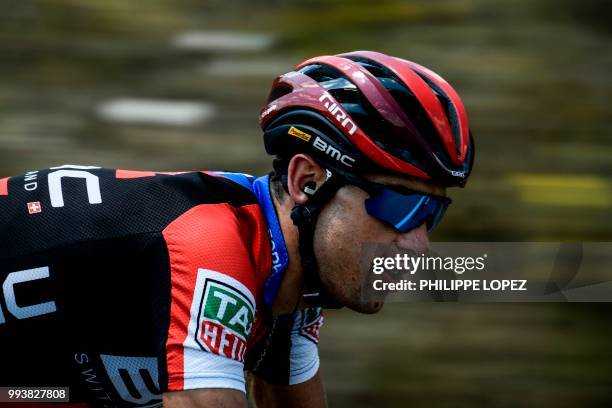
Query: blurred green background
[{"x": 178, "y": 84}]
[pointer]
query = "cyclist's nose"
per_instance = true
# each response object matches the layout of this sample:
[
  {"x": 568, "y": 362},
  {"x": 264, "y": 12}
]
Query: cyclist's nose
[{"x": 416, "y": 240}]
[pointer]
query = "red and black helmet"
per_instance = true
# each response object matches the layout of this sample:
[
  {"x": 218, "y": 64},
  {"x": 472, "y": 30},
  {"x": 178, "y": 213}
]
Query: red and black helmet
[{"x": 367, "y": 111}]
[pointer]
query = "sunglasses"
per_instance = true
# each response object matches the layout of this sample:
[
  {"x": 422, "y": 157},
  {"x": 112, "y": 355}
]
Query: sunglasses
[{"x": 402, "y": 208}]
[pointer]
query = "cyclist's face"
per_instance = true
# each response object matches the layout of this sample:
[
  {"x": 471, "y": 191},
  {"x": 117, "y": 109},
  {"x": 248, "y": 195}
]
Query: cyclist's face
[{"x": 342, "y": 228}]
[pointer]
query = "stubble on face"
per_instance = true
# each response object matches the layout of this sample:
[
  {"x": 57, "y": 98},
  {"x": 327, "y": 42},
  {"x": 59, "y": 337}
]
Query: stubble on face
[{"x": 342, "y": 229}]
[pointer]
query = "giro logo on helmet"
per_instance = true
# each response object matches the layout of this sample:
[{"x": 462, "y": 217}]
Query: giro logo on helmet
[
  {"x": 341, "y": 116},
  {"x": 458, "y": 174},
  {"x": 333, "y": 152}
]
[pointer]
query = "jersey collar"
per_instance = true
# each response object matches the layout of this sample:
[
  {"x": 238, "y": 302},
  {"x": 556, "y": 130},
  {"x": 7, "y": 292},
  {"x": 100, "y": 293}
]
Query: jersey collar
[{"x": 280, "y": 258}]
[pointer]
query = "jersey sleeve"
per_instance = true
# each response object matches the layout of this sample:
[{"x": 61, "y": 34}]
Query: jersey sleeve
[{"x": 214, "y": 286}]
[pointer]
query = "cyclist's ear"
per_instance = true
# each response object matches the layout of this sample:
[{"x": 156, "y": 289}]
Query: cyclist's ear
[{"x": 303, "y": 175}]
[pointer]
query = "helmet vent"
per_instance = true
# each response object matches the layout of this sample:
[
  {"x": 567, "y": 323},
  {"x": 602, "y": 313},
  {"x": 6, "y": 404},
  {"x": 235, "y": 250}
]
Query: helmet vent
[
  {"x": 321, "y": 73},
  {"x": 447, "y": 105},
  {"x": 412, "y": 108},
  {"x": 279, "y": 91},
  {"x": 338, "y": 83}
]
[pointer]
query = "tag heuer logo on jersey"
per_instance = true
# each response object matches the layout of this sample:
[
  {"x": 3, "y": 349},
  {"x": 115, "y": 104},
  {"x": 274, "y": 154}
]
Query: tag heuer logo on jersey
[{"x": 225, "y": 317}]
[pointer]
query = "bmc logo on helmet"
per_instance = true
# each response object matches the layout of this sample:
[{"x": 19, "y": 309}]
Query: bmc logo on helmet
[
  {"x": 334, "y": 153},
  {"x": 338, "y": 113}
]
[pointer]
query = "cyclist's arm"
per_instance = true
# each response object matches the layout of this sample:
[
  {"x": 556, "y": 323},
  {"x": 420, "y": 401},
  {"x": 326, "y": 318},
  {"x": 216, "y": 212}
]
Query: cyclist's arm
[
  {"x": 211, "y": 310},
  {"x": 309, "y": 394},
  {"x": 204, "y": 398},
  {"x": 283, "y": 361}
]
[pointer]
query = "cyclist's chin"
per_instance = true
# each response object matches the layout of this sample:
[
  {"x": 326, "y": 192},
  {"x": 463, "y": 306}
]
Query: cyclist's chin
[
  {"x": 353, "y": 297},
  {"x": 370, "y": 307}
]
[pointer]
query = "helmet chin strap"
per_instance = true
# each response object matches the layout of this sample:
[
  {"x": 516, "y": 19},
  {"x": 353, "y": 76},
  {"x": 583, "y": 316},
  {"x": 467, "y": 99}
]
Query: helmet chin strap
[{"x": 305, "y": 218}]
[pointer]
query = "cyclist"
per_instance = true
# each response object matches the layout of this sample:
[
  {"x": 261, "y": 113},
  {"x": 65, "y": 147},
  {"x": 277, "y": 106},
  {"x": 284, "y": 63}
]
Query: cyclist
[{"x": 126, "y": 285}]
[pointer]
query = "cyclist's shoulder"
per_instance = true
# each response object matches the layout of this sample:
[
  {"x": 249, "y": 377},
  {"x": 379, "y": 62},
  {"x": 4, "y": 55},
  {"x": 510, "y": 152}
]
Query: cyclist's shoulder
[
  {"x": 132, "y": 186},
  {"x": 233, "y": 187},
  {"x": 75, "y": 203},
  {"x": 232, "y": 239}
]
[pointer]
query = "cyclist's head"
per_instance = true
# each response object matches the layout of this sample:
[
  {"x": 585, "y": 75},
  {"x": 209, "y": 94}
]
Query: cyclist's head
[{"x": 372, "y": 121}]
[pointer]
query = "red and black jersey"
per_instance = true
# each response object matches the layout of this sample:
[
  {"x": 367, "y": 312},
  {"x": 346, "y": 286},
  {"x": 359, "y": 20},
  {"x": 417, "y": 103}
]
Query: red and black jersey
[{"x": 122, "y": 284}]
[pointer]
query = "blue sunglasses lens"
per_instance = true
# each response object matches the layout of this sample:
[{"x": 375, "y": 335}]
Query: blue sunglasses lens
[{"x": 407, "y": 211}]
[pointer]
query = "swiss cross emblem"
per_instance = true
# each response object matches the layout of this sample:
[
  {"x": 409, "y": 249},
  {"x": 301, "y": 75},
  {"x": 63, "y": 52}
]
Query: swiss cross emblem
[{"x": 34, "y": 207}]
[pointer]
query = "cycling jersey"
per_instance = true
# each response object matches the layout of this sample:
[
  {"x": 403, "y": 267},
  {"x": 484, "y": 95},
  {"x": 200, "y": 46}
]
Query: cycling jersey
[{"x": 125, "y": 284}]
